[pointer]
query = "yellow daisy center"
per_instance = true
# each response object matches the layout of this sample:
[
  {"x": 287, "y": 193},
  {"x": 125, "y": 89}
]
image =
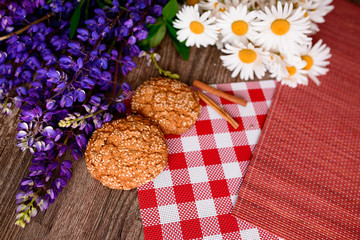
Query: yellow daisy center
[
  {"x": 291, "y": 70},
  {"x": 192, "y": 2},
  {"x": 306, "y": 14},
  {"x": 280, "y": 26},
  {"x": 247, "y": 55},
  {"x": 196, "y": 27},
  {"x": 239, "y": 28},
  {"x": 309, "y": 62},
  {"x": 220, "y": 9}
]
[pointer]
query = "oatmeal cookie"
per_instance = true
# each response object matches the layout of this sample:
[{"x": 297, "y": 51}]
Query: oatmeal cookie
[
  {"x": 169, "y": 103},
  {"x": 126, "y": 153}
]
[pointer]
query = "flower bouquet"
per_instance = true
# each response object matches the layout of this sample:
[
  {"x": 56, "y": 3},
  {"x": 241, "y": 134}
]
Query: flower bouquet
[{"x": 260, "y": 36}]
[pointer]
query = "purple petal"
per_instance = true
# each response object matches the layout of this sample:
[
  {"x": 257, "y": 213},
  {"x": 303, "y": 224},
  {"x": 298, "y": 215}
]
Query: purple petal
[
  {"x": 126, "y": 87},
  {"x": 62, "y": 150},
  {"x": 131, "y": 40},
  {"x": 48, "y": 116},
  {"x": 23, "y": 126},
  {"x": 50, "y": 104},
  {"x": 21, "y": 134},
  {"x": 53, "y": 73},
  {"x": 120, "y": 107},
  {"x": 39, "y": 146},
  {"x": 67, "y": 164},
  {"x": 65, "y": 60},
  {"x": 74, "y": 45},
  {"x": 107, "y": 117},
  {"x": 28, "y": 113},
  {"x": 20, "y": 208},
  {"x": 26, "y": 181},
  {"x": 63, "y": 182},
  {"x": 80, "y": 62},
  {"x": 54, "y": 165},
  {"x": 81, "y": 140},
  {"x": 57, "y": 183},
  {"x": 29, "y": 193},
  {"x": 31, "y": 141},
  {"x": 49, "y": 146},
  {"x": 49, "y": 132},
  {"x": 62, "y": 102},
  {"x": 68, "y": 101},
  {"x": 76, "y": 154},
  {"x": 129, "y": 23},
  {"x": 81, "y": 95},
  {"x": 20, "y": 195},
  {"x": 33, "y": 212},
  {"x": 48, "y": 176},
  {"x": 33, "y": 168},
  {"x": 52, "y": 193},
  {"x": 39, "y": 184}
]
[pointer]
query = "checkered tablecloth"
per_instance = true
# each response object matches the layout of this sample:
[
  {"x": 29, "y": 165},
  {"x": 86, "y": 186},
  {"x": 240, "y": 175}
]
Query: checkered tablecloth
[{"x": 193, "y": 196}]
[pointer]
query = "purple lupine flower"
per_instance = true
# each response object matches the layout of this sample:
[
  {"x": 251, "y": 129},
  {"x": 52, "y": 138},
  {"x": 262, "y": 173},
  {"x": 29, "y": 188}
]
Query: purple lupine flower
[{"x": 58, "y": 75}]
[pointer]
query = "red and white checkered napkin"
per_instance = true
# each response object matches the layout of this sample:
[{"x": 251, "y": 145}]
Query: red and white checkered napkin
[{"x": 193, "y": 196}]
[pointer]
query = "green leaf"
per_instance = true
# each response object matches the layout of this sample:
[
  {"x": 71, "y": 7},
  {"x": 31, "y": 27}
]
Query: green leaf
[
  {"x": 158, "y": 36},
  {"x": 170, "y": 9},
  {"x": 87, "y": 9},
  {"x": 144, "y": 44},
  {"x": 108, "y": 2},
  {"x": 75, "y": 19},
  {"x": 101, "y": 5},
  {"x": 159, "y": 21},
  {"x": 180, "y": 46},
  {"x": 153, "y": 29}
]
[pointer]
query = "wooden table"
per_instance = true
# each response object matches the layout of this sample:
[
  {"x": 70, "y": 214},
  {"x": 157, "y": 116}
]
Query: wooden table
[{"x": 85, "y": 209}]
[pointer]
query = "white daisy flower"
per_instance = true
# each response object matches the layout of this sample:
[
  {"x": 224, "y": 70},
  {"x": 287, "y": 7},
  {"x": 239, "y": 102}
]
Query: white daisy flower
[
  {"x": 236, "y": 3},
  {"x": 235, "y": 24},
  {"x": 319, "y": 9},
  {"x": 296, "y": 74},
  {"x": 306, "y": 4},
  {"x": 316, "y": 59},
  {"x": 213, "y": 6},
  {"x": 276, "y": 66},
  {"x": 317, "y": 12},
  {"x": 219, "y": 44},
  {"x": 309, "y": 6},
  {"x": 261, "y": 4},
  {"x": 244, "y": 60},
  {"x": 195, "y": 29},
  {"x": 281, "y": 29}
]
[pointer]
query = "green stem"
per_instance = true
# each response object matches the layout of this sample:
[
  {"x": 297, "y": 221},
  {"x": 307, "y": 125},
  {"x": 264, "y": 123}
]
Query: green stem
[
  {"x": 156, "y": 63},
  {"x": 25, "y": 28},
  {"x": 6, "y": 100},
  {"x": 124, "y": 8},
  {"x": 162, "y": 71},
  {"x": 93, "y": 114}
]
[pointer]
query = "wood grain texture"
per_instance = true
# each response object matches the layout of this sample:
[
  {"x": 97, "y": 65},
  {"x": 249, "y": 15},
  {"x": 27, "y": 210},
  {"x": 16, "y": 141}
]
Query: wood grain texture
[{"x": 85, "y": 209}]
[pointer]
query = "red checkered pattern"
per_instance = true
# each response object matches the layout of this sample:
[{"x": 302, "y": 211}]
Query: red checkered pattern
[{"x": 193, "y": 196}]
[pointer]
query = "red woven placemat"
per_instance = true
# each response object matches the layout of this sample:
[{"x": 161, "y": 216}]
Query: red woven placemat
[{"x": 303, "y": 181}]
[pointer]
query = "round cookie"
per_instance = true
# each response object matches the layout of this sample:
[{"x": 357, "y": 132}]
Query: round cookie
[
  {"x": 169, "y": 103},
  {"x": 126, "y": 153}
]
